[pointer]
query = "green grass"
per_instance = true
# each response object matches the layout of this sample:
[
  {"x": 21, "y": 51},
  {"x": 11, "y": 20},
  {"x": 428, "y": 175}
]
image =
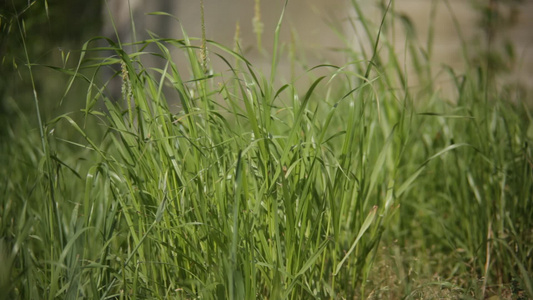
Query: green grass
[{"x": 353, "y": 187}]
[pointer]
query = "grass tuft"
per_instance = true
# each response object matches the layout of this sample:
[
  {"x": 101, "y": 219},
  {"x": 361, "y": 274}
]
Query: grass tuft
[{"x": 355, "y": 186}]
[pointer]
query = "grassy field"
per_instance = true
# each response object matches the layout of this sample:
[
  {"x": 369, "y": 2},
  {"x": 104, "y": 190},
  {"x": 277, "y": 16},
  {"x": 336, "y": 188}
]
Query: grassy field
[{"x": 359, "y": 185}]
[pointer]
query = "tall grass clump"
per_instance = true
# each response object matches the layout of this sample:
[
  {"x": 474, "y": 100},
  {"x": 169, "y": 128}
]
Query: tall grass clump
[
  {"x": 466, "y": 219},
  {"x": 256, "y": 188}
]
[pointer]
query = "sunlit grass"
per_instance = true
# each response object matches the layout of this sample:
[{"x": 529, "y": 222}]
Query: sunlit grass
[{"x": 348, "y": 188}]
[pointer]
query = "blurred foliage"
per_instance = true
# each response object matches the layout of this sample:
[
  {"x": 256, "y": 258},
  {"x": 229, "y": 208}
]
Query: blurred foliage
[
  {"x": 495, "y": 15},
  {"x": 495, "y": 18},
  {"x": 45, "y": 30}
]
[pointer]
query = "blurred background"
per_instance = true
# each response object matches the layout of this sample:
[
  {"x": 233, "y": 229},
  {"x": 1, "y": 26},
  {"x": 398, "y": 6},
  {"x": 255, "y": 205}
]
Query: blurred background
[{"x": 51, "y": 33}]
